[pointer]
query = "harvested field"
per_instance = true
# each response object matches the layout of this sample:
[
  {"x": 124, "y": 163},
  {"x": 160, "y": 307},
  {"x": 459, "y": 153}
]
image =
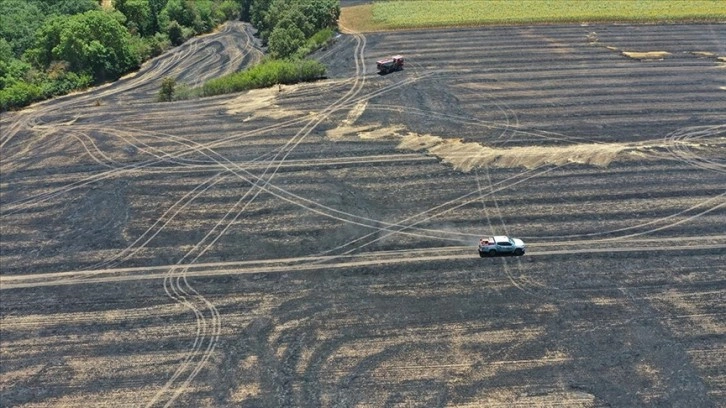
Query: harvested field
[
  {"x": 315, "y": 245},
  {"x": 392, "y": 14}
]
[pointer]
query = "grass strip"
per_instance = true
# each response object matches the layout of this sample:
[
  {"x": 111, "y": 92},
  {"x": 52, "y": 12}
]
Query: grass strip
[
  {"x": 268, "y": 73},
  {"x": 396, "y": 14}
]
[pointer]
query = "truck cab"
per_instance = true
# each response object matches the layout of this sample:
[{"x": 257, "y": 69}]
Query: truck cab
[{"x": 387, "y": 65}]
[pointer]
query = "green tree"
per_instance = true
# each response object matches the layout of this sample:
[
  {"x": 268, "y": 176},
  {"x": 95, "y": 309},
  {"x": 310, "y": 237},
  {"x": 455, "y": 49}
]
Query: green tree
[
  {"x": 295, "y": 16},
  {"x": 47, "y": 37},
  {"x": 183, "y": 12},
  {"x": 12, "y": 70},
  {"x": 244, "y": 11},
  {"x": 6, "y": 51},
  {"x": 94, "y": 42},
  {"x": 204, "y": 19},
  {"x": 19, "y": 94},
  {"x": 309, "y": 16},
  {"x": 321, "y": 13},
  {"x": 19, "y": 21},
  {"x": 70, "y": 7},
  {"x": 138, "y": 15},
  {"x": 229, "y": 10},
  {"x": 166, "y": 93},
  {"x": 285, "y": 40},
  {"x": 258, "y": 16},
  {"x": 175, "y": 33},
  {"x": 156, "y": 6}
]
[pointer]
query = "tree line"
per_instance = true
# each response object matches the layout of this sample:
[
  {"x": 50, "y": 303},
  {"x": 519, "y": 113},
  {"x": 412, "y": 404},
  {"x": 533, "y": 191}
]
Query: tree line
[{"x": 51, "y": 47}]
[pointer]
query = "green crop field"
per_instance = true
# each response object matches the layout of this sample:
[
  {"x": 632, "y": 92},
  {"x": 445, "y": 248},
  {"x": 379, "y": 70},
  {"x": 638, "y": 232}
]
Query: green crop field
[{"x": 383, "y": 15}]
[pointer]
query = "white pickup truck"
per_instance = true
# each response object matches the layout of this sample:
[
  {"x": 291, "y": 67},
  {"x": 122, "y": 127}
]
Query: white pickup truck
[{"x": 501, "y": 245}]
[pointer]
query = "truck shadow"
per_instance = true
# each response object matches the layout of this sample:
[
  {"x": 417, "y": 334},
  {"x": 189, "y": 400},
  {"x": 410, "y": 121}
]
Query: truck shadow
[{"x": 384, "y": 73}]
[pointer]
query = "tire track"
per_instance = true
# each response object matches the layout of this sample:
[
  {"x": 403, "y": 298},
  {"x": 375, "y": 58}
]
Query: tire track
[
  {"x": 336, "y": 262},
  {"x": 263, "y": 174},
  {"x": 680, "y": 141},
  {"x": 179, "y": 294}
]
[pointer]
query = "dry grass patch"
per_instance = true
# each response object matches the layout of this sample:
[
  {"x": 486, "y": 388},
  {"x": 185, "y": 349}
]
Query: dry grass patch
[
  {"x": 258, "y": 103},
  {"x": 357, "y": 18},
  {"x": 381, "y": 133},
  {"x": 355, "y": 113},
  {"x": 703, "y": 54},
  {"x": 467, "y": 156},
  {"x": 397, "y": 14},
  {"x": 342, "y": 131},
  {"x": 649, "y": 55}
]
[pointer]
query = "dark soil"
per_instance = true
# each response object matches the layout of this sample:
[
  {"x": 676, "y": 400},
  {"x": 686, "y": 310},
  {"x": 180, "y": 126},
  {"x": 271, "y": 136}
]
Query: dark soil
[{"x": 310, "y": 245}]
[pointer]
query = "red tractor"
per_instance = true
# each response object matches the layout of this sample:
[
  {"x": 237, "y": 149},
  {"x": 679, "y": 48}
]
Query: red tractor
[{"x": 387, "y": 65}]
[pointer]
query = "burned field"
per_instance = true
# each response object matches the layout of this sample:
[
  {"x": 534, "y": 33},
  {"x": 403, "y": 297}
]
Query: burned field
[{"x": 315, "y": 244}]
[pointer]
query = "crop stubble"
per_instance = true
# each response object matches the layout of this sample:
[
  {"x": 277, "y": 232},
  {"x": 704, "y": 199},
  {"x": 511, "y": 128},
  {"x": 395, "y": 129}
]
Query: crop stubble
[{"x": 301, "y": 250}]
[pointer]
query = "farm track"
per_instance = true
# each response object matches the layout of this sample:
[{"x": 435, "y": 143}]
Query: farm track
[{"x": 276, "y": 248}]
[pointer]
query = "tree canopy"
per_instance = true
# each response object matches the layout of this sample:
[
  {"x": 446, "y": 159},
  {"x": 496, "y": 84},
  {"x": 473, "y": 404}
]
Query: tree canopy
[
  {"x": 94, "y": 42},
  {"x": 52, "y": 46},
  {"x": 280, "y": 22}
]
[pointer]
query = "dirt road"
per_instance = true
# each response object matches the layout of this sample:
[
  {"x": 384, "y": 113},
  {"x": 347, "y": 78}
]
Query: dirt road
[{"x": 314, "y": 245}]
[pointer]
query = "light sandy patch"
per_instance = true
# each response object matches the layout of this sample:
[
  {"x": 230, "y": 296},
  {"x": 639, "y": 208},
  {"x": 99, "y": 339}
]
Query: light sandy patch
[
  {"x": 554, "y": 45},
  {"x": 546, "y": 308},
  {"x": 508, "y": 397},
  {"x": 279, "y": 330},
  {"x": 249, "y": 363},
  {"x": 722, "y": 59},
  {"x": 482, "y": 86},
  {"x": 355, "y": 113},
  {"x": 703, "y": 53},
  {"x": 35, "y": 322},
  {"x": 342, "y": 131},
  {"x": 650, "y": 372},
  {"x": 466, "y": 156},
  {"x": 10, "y": 377},
  {"x": 413, "y": 363},
  {"x": 388, "y": 132},
  {"x": 710, "y": 360},
  {"x": 603, "y": 301},
  {"x": 90, "y": 368},
  {"x": 723, "y": 88},
  {"x": 556, "y": 355},
  {"x": 504, "y": 336},
  {"x": 261, "y": 103},
  {"x": 688, "y": 306},
  {"x": 388, "y": 291},
  {"x": 80, "y": 398},
  {"x": 416, "y": 142},
  {"x": 649, "y": 55},
  {"x": 655, "y": 387},
  {"x": 245, "y": 391}
]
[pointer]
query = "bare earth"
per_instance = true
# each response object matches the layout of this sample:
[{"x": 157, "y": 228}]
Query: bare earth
[{"x": 314, "y": 245}]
